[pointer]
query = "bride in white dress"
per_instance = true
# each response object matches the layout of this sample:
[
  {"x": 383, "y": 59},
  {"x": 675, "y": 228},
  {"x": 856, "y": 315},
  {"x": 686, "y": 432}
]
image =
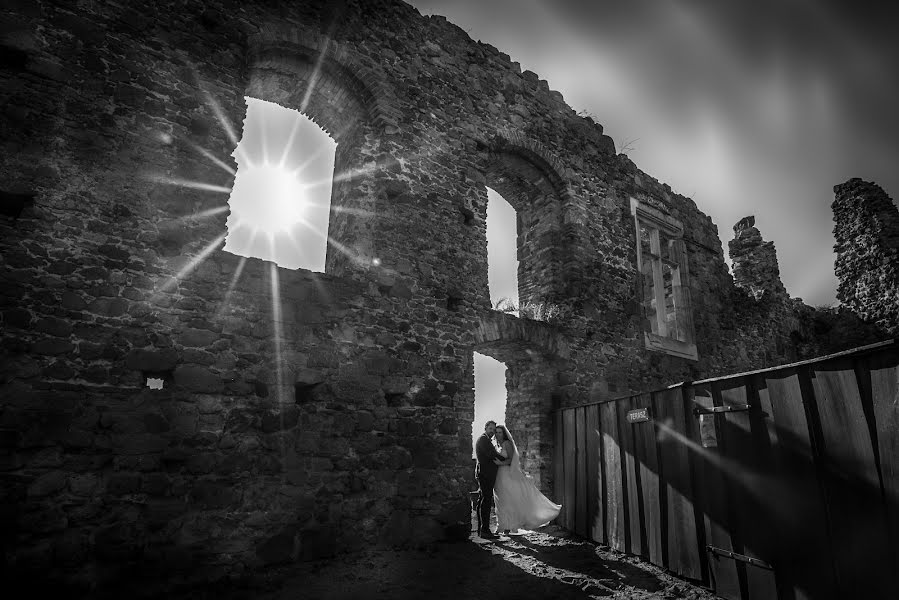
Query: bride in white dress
[{"x": 519, "y": 504}]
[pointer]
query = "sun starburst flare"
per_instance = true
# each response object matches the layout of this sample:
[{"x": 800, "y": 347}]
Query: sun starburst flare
[
  {"x": 192, "y": 264},
  {"x": 279, "y": 204},
  {"x": 197, "y": 185},
  {"x": 268, "y": 199},
  {"x": 281, "y": 195},
  {"x": 226, "y": 300}
]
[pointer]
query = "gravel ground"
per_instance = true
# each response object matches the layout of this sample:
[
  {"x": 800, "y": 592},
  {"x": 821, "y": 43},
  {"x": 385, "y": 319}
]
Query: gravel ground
[{"x": 550, "y": 563}]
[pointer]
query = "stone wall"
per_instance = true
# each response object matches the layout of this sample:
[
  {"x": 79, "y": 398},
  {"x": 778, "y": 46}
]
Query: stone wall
[
  {"x": 301, "y": 413},
  {"x": 866, "y": 230},
  {"x": 755, "y": 261}
]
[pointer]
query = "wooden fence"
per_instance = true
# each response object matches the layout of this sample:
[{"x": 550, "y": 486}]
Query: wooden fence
[{"x": 781, "y": 483}]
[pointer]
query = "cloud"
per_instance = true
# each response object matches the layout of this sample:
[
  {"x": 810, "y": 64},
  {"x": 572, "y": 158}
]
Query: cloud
[{"x": 748, "y": 107}]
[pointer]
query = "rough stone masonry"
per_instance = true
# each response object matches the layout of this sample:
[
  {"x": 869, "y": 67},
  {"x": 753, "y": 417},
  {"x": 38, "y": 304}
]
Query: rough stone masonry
[{"x": 303, "y": 413}]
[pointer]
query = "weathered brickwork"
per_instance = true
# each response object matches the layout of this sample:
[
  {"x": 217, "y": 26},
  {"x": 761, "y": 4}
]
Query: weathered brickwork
[
  {"x": 302, "y": 414},
  {"x": 755, "y": 262},
  {"x": 866, "y": 230}
]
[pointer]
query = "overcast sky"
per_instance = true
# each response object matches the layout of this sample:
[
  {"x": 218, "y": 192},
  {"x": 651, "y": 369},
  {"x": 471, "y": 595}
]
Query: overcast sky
[{"x": 747, "y": 107}]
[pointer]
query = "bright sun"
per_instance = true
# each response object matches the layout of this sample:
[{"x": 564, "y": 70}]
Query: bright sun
[
  {"x": 281, "y": 198},
  {"x": 269, "y": 199}
]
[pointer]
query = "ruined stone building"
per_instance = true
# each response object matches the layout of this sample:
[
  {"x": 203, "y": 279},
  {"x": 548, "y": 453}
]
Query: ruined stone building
[{"x": 306, "y": 413}]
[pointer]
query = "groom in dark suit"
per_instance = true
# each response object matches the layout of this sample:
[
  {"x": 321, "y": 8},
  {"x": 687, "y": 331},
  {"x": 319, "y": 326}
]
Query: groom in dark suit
[{"x": 485, "y": 472}]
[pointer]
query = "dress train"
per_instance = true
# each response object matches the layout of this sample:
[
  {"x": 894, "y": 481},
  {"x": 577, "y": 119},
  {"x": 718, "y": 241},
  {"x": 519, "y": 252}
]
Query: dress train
[{"x": 519, "y": 504}]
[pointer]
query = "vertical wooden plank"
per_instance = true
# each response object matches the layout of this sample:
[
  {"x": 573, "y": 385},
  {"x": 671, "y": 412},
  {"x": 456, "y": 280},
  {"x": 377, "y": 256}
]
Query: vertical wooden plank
[
  {"x": 570, "y": 466},
  {"x": 881, "y": 372},
  {"x": 645, "y": 454},
  {"x": 723, "y": 575},
  {"x": 601, "y": 534},
  {"x": 594, "y": 502},
  {"x": 559, "y": 465},
  {"x": 780, "y": 487},
  {"x": 631, "y": 482},
  {"x": 716, "y": 513},
  {"x": 851, "y": 482},
  {"x": 581, "y": 507},
  {"x": 612, "y": 468},
  {"x": 751, "y": 474},
  {"x": 805, "y": 561},
  {"x": 683, "y": 544}
]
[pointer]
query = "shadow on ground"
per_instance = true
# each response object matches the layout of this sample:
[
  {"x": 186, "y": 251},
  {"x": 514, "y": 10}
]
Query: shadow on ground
[{"x": 550, "y": 563}]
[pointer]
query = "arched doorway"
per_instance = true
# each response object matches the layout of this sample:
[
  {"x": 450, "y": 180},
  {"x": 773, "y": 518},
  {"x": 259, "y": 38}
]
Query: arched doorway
[{"x": 530, "y": 351}]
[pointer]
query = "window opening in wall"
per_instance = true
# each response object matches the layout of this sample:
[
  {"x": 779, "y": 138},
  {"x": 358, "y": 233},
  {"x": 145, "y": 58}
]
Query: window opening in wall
[
  {"x": 489, "y": 394},
  {"x": 661, "y": 282},
  {"x": 280, "y": 203},
  {"x": 662, "y": 263},
  {"x": 502, "y": 253}
]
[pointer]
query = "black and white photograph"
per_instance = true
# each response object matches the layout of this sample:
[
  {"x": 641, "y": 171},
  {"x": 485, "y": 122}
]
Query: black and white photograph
[{"x": 449, "y": 299}]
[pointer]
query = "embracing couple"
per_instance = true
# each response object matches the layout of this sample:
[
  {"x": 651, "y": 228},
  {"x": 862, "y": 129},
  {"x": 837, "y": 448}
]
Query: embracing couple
[{"x": 519, "y": 504}]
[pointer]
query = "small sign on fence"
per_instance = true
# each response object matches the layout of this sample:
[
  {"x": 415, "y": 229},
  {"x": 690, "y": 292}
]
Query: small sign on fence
[{"x": 638, "y": 415}]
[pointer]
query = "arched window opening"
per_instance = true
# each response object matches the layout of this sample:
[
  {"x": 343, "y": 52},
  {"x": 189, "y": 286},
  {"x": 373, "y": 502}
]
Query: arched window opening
[
  {"x": 502, "y": 253},
  {"x": 489, "y": 394},
  {"x": 530, "y": 190},
  {"x": 281, "y": 200}
]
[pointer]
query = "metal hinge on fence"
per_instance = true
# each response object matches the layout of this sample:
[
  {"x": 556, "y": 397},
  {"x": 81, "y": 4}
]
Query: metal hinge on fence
[{"x": 741, "y": 557}]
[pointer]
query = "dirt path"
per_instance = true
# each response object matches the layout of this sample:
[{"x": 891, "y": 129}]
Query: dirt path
[{"x": 547, "y": 564}]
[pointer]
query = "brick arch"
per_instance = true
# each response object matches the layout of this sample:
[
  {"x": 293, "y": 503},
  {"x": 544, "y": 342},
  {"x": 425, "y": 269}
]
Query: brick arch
[
  {"x": 513, "y": 142},
  {"x": 346, "y": 94},
  {"x": 347, "y": 100}
]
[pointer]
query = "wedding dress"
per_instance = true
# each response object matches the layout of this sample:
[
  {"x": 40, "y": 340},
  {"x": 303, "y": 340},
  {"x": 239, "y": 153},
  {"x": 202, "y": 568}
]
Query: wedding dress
[{"x": 519, "y": 504}]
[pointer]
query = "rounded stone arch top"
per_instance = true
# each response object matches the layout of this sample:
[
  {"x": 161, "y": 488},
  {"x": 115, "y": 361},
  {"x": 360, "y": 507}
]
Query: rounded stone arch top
[
  {"x": 540, "y": 157},
  {"x": 291, "y": 48},
  {"x": 532, "y": 180}
]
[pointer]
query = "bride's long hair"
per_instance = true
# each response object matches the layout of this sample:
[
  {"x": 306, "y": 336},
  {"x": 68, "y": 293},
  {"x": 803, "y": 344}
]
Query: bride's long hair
[{"x": 508, "y": 436}]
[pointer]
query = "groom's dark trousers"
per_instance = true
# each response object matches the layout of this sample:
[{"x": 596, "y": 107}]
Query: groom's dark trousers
[{"x": 485, "y": 473}]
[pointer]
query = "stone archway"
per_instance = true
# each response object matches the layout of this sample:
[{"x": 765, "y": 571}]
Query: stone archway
[
  {"x": 526, "y": 175},
  {"x": 534, "y": 355},
  {"x": 315, "y": 75}
]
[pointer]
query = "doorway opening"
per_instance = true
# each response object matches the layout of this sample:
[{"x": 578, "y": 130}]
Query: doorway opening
[{"x": 489, "y": 394}]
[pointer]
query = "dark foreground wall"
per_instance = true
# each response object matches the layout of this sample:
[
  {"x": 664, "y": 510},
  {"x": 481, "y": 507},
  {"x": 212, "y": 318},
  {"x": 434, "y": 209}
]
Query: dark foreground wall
[{"x": 301, "y": 413}]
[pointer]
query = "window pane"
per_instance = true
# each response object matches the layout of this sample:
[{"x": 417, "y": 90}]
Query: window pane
[
  {"x": 669, "y": 280},
  {"x": 649, "y": 296},
  {"x": 666, "y": 248},
  {"x": 645, "y": 240}
]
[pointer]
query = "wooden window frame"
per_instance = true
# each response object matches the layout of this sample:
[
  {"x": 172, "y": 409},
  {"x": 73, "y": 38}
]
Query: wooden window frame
[{"x": 682, "y": 344}]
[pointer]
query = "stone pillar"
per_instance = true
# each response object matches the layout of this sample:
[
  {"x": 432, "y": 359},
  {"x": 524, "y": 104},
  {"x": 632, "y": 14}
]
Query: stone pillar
[
  {"x": 529, "y": 385},
  {"x": 866, "y": 231},
  {"x": 755, "y": 261}
]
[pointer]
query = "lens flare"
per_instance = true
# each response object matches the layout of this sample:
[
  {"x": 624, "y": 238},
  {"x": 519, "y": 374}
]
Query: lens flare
[{"x": 268, "y": 198}]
